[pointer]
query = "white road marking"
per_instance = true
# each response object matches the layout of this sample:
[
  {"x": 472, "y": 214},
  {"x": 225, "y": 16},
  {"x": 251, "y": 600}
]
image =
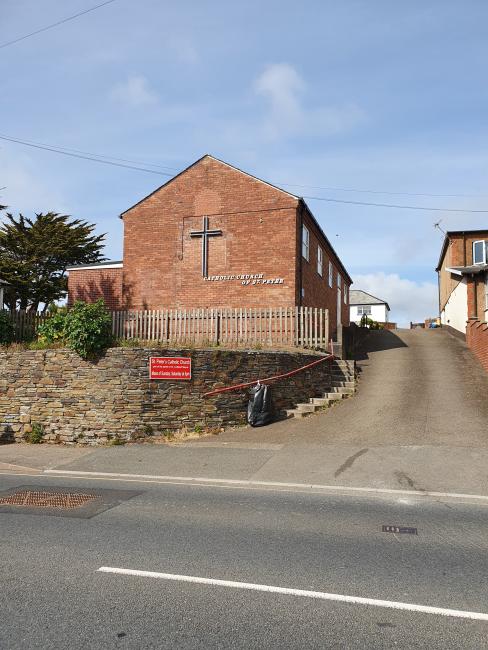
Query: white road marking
[
  {"x": 318, "y": 595},
  {"x": 202, "y": 480}
]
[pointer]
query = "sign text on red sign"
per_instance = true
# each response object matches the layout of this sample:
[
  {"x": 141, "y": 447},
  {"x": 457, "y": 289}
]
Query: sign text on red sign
[{"x": 174, "y": 368}]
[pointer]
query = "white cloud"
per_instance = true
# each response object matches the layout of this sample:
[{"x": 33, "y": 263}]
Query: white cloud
[
  {"x": 134, "y": 92},
  {"x": 408, "y": 300},
  {"x": 285, "y": 90}
]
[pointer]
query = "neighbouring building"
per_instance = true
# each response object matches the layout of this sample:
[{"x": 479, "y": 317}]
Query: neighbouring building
[
  {"x": 364, "y": 304},
  {"x": 463, "y": 287},
  {"x": 215, "y": 236},
  {"x": 3, "y": 284}
]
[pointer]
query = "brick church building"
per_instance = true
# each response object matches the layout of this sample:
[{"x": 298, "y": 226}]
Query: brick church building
[{"x": 215, "y": 236}]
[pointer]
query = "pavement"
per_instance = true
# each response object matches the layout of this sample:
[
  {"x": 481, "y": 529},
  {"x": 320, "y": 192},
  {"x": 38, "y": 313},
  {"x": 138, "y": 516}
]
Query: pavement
[{"x": 419, "y": 421}]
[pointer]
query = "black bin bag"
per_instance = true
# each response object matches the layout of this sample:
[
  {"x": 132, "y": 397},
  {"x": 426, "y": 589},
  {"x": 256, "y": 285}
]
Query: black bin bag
[{"x": 260, "y": 410}]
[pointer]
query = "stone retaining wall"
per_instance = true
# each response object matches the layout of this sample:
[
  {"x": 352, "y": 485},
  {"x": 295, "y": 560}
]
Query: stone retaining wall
[{"x": 86, "y": 402}]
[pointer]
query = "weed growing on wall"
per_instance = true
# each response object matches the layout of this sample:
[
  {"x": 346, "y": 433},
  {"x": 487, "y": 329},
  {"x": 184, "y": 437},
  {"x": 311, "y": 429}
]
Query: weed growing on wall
[{"x": 36, "y": 435}]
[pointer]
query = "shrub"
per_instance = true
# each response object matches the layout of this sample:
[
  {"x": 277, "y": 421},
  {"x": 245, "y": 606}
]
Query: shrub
[
  {"x": 88, "y": 328},
  {"x": 53, "y": 330},
  {"x": 6, "y": 328}
]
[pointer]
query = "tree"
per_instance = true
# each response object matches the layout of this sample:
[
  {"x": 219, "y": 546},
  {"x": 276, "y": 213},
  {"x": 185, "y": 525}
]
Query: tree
[{"x": 35, "y": 253}]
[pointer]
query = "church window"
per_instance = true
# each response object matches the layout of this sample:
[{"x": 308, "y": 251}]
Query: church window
[{"x": 305, "y": 243}]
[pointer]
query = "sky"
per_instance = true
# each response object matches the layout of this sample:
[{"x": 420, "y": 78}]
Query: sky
[{"x": 371, "y": 101}]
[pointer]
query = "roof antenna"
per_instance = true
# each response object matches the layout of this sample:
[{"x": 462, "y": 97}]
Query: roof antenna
[{"x": 438, "y": 226}]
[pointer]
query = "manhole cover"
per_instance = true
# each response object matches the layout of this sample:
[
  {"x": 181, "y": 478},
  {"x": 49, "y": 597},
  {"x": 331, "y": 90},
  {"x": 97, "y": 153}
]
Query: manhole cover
[
  {"x": 54, "y": 501},
  {"x": 30, "y": 499}
]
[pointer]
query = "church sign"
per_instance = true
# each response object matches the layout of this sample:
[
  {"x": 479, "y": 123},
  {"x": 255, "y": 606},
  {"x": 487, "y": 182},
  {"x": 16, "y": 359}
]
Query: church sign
[
  {"x": 245, "y": 278},
  {"x": 170, "y": 368}
]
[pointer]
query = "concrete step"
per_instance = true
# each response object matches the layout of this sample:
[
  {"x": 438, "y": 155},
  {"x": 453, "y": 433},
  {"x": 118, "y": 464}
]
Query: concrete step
[
  {"x": 339, "y": 363},
  {"x": 307, "y": 407},
  {"x": 342, "y": 390},
  {"x": 343, "y": 384},
  {"x": 348, "y": 375},
  {"x": 333, "y": 396},
  {"x": 320, "y": 401},
  {"x": 292, "y": 413}
]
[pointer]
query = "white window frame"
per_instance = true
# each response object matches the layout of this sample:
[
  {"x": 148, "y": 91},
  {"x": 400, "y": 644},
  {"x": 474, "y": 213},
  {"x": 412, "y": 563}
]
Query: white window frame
[
  {"x": 305, "y": 243},
  {"x": 486, "y": 292},
  {"x": 339, "y": 280},
  {"x": 484, "y": 247},
  {"x": 345, "y": 293},
  {"x": 331, "y": 275},
  {"x": 320, "y": 261},
  {"x": 361, "y": 310}
]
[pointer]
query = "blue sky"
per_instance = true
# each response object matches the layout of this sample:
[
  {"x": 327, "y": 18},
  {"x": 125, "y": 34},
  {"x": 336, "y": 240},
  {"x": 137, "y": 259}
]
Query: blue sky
[{"x": 371, "y": 95}]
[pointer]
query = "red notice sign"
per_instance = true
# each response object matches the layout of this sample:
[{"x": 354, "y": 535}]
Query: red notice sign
[{"x": 173, "y": 368}]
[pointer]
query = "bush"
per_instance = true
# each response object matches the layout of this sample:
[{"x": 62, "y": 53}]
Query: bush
[
  {"x": 85, "y": 328},
  {"x": 88, "y": 328},
  {"x": 6, "y": 328},
  {"x": 53, "y": 330}
]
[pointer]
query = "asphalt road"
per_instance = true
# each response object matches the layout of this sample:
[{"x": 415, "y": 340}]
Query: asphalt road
[{"x": 53, "y": 596}]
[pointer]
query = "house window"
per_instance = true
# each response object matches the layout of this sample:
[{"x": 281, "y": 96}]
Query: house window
[
  {"x": 346, "y": 291},
  {"x": 338, "y": 281},
  {"x": 305, "y": 243},
  {"x": 319, "y": 261},
  {"x": 479, "y": 252},
  {"x": 331, "y": 275},
  {"x": 364, "y": 310}
]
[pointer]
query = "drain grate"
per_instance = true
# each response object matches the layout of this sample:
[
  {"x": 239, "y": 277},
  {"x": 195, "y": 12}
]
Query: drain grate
[
  {"x": 56, "y": 501},
  {"x": 41, "y": 499}
]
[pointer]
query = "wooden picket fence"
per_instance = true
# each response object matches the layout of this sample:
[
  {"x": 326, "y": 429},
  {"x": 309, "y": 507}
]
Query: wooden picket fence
[
  {"x": 275, "y": 326},
  {"x": 282, "y": 326},
  {"x": 26, "y": 324}
]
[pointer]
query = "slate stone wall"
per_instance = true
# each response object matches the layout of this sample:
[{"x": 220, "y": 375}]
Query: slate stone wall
[{"x": 86, "y": 402}]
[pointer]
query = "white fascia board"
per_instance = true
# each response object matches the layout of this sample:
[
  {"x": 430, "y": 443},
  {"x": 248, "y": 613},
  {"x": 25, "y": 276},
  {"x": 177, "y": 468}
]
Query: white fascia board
[
  {"x": 119, "y": 265},
  {"x": 455, "y": 271}
]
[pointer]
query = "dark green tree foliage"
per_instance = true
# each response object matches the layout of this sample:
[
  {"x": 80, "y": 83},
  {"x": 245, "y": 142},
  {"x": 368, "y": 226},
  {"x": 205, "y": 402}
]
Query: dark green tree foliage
[
  {"x": 6, "y": 329},
  {"x": 34, "y": 255}
]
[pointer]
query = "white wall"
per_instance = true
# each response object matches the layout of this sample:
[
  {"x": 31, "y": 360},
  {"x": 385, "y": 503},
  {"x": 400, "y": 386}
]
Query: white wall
[
  {"x": 379, "y": 313},
  {"x": 455, "y": 312}
]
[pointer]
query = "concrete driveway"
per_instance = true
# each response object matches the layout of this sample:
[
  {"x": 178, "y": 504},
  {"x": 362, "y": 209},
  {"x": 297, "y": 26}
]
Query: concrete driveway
[{"x": 416, "y": 387}]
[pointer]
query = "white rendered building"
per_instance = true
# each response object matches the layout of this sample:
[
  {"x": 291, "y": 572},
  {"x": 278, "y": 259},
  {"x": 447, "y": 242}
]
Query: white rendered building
[{"x": 364, "y": 304}]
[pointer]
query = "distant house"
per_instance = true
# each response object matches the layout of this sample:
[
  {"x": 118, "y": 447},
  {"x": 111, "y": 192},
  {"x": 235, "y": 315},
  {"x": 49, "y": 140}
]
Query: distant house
[
  {"x": 3, "y": 284},
  {"x": 462, "y": 271},
  {"x": 364, "y": 304}
]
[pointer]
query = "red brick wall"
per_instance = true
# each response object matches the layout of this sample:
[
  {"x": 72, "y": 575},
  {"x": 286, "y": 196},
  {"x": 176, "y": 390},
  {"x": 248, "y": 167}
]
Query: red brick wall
[
  {"x": 317, "y": 292},
  {"x": 477, "y": 340},
  {"x": 162, "y": 263},
  {"x": 91, "y": 284}
]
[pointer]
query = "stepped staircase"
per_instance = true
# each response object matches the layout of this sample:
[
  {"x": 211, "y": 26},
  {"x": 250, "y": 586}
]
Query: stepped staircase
[{"x": 342, "y": 385}]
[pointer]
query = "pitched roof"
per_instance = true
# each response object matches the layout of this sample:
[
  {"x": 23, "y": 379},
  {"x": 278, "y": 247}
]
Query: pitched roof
[
  {"x": 359, "y": 297},
  {"x": 222, "y": 162}
]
